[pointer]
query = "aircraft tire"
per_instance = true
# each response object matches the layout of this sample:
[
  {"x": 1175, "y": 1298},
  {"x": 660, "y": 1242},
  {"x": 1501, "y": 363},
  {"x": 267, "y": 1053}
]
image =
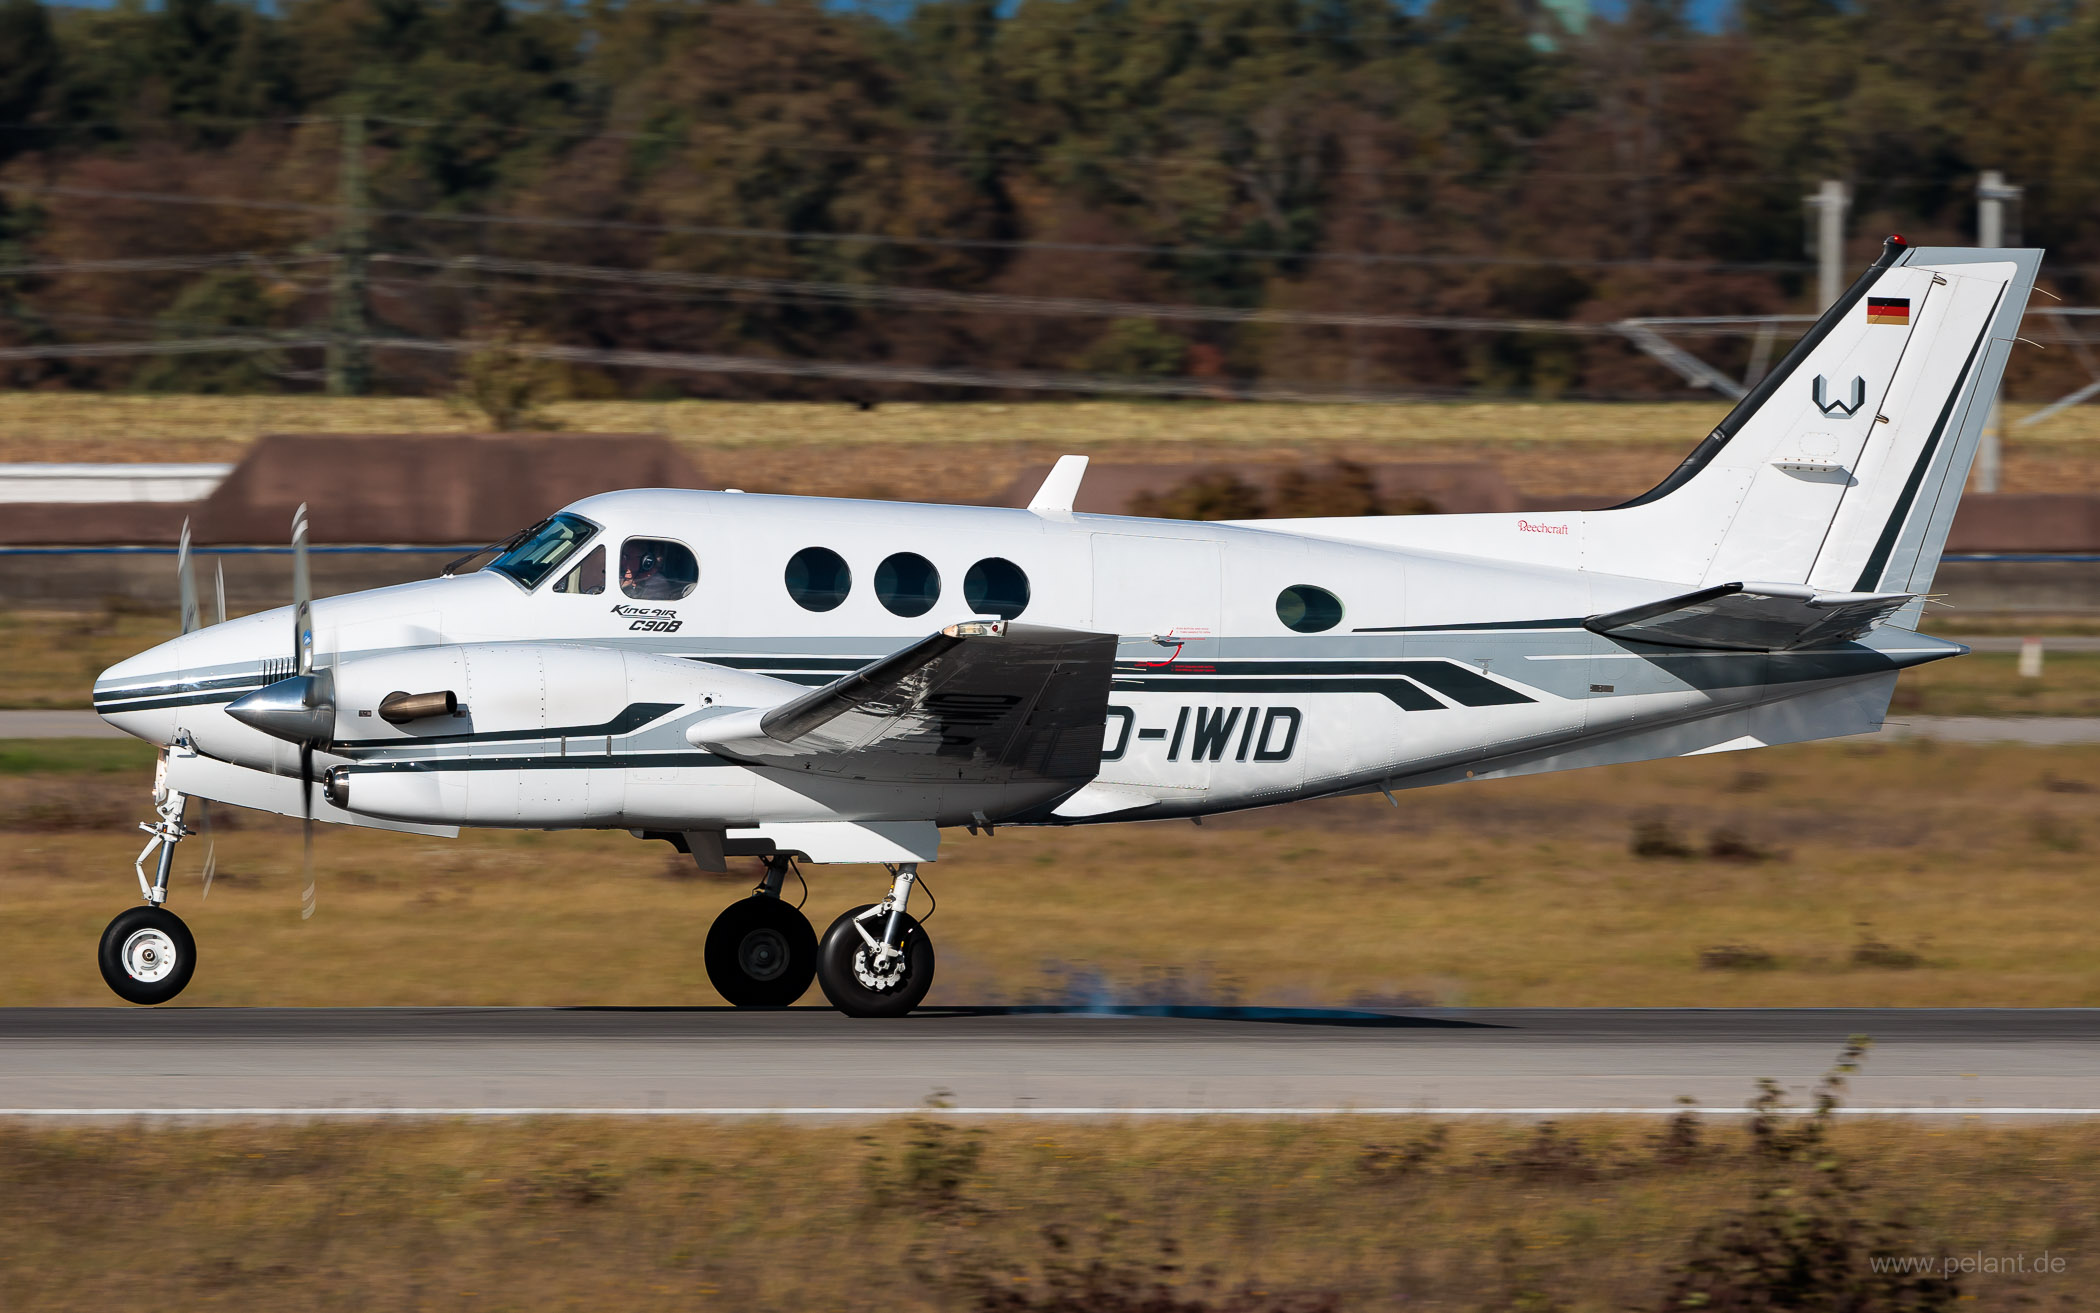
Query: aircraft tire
[
  {"x": 147, "y": 955},
  {"x": 843, "y": 970},
  {"x": 761, "y": 953}
]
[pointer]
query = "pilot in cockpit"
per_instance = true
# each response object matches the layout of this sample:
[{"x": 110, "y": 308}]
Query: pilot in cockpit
[{"x": 642, "y": 573}]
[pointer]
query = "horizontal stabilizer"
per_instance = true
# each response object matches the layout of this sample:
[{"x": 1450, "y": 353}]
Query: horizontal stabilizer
[
  {"x": 979, "y": 701},
  {"x": 1751, "y": 618}
]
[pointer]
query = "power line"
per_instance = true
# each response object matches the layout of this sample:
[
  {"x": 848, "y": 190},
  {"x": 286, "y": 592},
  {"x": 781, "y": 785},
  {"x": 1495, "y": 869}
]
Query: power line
[
  {"x": 156, "y": 264},
  {"x": 991, "y": 302},
  {"x": 881, "y": 239}
]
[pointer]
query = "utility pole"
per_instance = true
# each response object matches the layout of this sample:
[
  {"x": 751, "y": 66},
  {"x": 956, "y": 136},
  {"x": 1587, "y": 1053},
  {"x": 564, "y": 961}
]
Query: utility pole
[
  {"x": 1827, "y": 240},
  {"x": 1991, "y": 197},
  {"x": 349, "y": 360}
]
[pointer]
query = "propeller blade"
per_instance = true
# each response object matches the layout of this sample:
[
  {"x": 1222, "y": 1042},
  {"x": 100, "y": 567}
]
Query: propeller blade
[
  {"x": 220, "y": 570},
  {"x": 186, "y": 574},
  {"x": 306, "y": 806},
  {"x": 302, "y": 598},
  {"x": 211, "y": 847},
  {"x": 303, "y": 663}
]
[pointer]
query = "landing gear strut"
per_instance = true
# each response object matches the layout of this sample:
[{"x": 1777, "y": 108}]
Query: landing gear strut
[
  {"x": 761, "y": 952},
  {"x": 876, "y": 961},
  {"x": 147, "y": 954}
]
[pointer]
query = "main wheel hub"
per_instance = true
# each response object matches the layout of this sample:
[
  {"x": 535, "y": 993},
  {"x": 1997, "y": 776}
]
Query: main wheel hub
[
  {"x": 149, "y": 955},
  {"x": 763, "y": 954}
]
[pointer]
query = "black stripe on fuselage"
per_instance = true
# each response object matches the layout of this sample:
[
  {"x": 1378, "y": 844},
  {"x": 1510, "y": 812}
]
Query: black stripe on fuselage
[
  {"x": 1402, "y": 693},
  {"x": 176, "y": 700},
  {"x": 1460, "y": 683},
  {"x": 1565, "y": 622},
  {"x": 633, "y": 718},
  {"x": 605, "y": 761}
]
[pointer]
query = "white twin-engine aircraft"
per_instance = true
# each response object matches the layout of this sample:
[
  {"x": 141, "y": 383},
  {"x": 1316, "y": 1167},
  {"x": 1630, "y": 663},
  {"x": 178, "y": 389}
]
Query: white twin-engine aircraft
[{"x": 835, "y": 681}]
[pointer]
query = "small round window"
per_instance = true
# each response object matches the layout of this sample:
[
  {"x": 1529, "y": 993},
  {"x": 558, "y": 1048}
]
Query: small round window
[
  {"x": 817, "y": 578},
  {"x": 657, "y": 570},
  {"x": 1308, "y": 609},
  {"x": 907, "y": 584},
  {"x": 996, "y": 587}
]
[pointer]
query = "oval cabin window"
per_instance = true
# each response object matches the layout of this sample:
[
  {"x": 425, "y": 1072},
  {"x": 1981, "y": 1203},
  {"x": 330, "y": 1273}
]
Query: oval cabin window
[
  {"x": 817, "y": 578},
  {"x": 907, "y": 584},
  {"x": 995, "y": 586},
  {"x": 1307, "y": 609}
]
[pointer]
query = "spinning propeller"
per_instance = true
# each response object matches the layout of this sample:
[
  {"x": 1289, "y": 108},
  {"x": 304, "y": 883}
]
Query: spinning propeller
[
  {"x": 186, "y": 576},
  {"x": 300, "y": 708}
]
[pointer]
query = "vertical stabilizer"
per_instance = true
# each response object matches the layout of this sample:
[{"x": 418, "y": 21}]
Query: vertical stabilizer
[{"x": 1842, "y": 469}]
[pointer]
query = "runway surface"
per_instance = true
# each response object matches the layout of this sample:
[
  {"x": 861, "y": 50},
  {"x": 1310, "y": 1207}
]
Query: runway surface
[
  {"x": 59, "y": 1062},
  {"x": 2038, "y": 730}
]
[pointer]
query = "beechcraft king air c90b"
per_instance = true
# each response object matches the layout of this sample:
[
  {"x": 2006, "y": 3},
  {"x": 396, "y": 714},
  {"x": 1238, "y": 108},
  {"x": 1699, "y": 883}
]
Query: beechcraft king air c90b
[{"x": 836, "y": 681}]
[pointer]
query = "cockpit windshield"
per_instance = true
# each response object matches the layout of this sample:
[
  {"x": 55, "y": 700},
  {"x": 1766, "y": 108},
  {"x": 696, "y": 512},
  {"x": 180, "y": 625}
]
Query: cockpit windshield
[{"x": 540, "y": 550}]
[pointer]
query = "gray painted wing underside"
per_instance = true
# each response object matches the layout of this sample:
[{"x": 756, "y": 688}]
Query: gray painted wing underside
[{"x": 1028, "y": 704}]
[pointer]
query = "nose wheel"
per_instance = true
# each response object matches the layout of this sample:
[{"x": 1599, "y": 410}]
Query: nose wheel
[
  {"x": 147, "y": 955},
  {"x": 761, "y": 953}
]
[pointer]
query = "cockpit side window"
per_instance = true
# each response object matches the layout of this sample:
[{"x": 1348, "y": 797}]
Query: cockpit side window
[
  {"x": 540, "y": 550},
  {"x": 588, "y": 578},
  {"x": 657, "y": 570}
]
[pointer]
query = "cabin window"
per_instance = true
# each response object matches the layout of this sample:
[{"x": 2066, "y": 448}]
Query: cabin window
[
  {"x": 907, "y": 584},
  {"x": 996, "y": 587},
  {"x": 588, "y": 578},
  {"x": 817, "y": 578},
  {"x": 657, "y": 570},
  {"x": 1307, "y": 609},
  {"x": 539, "y": 551}
]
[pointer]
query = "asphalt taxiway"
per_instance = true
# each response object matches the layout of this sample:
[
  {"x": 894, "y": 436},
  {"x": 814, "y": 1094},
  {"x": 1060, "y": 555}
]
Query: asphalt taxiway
[{"x": 808, "y": 1062}]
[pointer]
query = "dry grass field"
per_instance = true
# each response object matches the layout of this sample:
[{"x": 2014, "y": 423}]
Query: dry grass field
[
  {"x": 1902, "y": 875},
  {"x": 954, "y": 451},
  {"x": 1134, "y": 1217}
]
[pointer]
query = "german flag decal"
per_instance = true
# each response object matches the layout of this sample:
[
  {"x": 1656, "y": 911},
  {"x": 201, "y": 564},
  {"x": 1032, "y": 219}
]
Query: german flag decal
[{"x": 1889, "y": 310}]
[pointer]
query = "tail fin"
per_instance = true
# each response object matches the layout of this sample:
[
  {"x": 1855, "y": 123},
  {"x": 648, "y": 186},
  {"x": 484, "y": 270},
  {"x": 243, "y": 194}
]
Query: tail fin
[{"x": 1841, "y": 470}]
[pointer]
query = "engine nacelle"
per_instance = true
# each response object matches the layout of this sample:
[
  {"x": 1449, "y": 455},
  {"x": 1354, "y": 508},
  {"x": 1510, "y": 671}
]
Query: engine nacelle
[{"x": 540, "y": 734}]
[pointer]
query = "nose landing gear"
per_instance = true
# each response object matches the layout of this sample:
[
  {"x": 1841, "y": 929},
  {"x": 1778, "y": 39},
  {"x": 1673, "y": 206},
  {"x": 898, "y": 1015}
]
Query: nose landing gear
[{"x": 147, "y": 954}]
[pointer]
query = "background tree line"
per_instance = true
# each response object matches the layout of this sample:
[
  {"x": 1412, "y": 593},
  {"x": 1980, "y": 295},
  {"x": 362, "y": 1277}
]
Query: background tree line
[{"x": 1463, "y": 157}]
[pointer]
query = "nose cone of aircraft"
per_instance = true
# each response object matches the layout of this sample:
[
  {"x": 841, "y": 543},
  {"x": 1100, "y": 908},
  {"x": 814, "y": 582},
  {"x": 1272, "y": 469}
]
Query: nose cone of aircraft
[{"x": 140, "y": 695}]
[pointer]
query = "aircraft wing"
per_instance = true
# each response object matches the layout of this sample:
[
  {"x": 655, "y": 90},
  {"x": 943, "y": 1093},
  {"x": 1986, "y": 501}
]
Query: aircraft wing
[
  {"x": 976, "y": 702},
  {"x": 1751, "y": 618}
]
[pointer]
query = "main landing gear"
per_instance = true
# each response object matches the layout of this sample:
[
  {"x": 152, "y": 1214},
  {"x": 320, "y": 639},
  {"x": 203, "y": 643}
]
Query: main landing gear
[
  {"x": 762, "y": 953},
  {"x": 877, "y": 961},
  {"x": 147, "y": 954},
  {"x": 874, "y": 961}
]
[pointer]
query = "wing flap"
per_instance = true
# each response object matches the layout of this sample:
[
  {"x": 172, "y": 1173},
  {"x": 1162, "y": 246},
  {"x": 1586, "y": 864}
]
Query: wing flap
[
  {"x": 981, "y": 701},
  {"x": 1751, "y": 618}
]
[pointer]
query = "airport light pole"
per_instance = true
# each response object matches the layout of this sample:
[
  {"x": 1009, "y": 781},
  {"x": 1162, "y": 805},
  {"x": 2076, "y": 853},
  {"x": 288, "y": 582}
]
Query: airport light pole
[
  {"x": 349, "y": 361},
  {"x": 1992, "y": 197},
  {"x": 1827, "y": 240}
]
